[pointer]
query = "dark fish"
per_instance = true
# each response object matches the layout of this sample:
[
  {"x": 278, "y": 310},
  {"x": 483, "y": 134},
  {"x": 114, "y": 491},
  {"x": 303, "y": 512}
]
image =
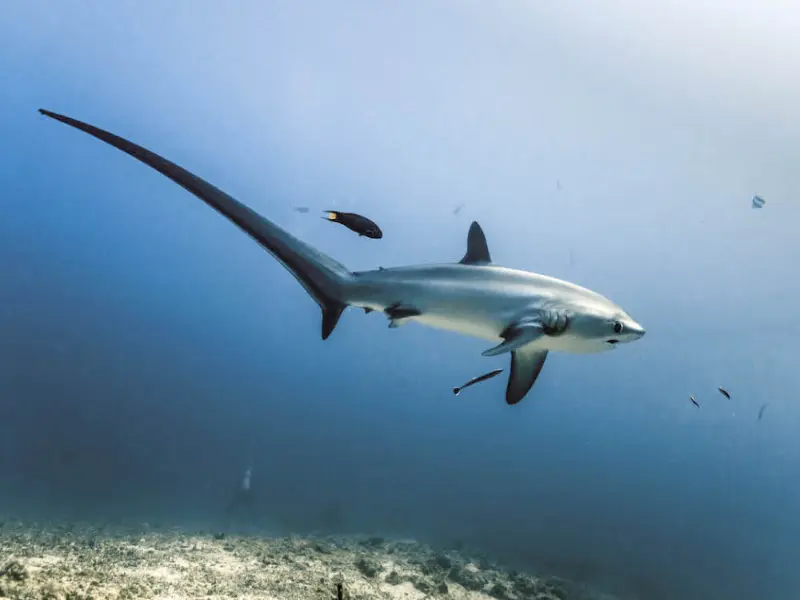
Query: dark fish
[
  {"x": 724, "y": 392},
  {"x": 694, "y": 401},
  {"x": 478, "y": 379},
  {"x": 457, "y": 209},
  {"x": 761, "y": 411},
  {"x": 361, "y": 225},
  {"x": 758, "y": 202},
  {"x": 301, "y": 209}
]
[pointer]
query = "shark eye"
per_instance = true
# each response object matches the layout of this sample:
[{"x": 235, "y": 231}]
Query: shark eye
[{"x": 617, "y": 327}]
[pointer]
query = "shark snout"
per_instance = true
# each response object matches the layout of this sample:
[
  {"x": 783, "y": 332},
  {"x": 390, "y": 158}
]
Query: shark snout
[
  {"x": 634, "y": 330},
  {"x": 626, "y": 330}
]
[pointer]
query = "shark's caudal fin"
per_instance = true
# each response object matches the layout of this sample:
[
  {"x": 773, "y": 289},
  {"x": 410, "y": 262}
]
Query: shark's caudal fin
[
  {"x": 477, "y": 249},
  {"x": 321, "y": 276}
]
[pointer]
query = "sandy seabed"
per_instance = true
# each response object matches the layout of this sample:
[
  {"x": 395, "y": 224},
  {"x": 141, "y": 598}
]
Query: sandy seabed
[{"x": 86, "y": 562}]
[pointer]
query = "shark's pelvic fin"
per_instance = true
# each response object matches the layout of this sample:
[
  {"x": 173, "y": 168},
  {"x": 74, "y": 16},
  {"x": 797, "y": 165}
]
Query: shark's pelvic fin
[
  {"x": 331, "y": 312},
  {"x": 517, "y": 336},
  {"x": 399, "y": 314},
  {"x": 477, "y": 249},
  {"x": 526, "y": 364}
]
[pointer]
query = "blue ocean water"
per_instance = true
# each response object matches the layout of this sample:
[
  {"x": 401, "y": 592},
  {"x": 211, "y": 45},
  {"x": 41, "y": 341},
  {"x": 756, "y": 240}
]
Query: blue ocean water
[{"x": 151, "y": 352}]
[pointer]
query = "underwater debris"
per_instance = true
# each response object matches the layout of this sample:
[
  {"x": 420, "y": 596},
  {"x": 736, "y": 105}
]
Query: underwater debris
[
  {"x": 758, "y": 201},
  {"x": 242, "y": 500},
  {"x": 14, "y": 570},
  {"x": 363, "y": 226},
  {"x": 694, "y": 401},
  {"x": 248, "y": 476},
  {"x": 393, "y": 578},
  {"x": 368, "y": 567},
  {"x": 724, "y": 392},
  {"x": 474, "y": 380}
]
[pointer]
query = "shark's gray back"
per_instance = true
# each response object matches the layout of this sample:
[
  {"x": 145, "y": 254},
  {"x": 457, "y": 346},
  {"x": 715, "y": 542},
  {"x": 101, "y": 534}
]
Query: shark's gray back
[{"x": 471, "y": 280}]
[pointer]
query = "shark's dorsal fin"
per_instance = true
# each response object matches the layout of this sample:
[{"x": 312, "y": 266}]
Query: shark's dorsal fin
[{"x": 477, "y": 249}]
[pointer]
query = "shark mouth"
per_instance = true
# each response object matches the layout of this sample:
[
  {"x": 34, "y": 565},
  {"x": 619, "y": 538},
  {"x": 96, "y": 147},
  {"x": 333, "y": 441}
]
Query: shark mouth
[{"x": 612, "y": 342}]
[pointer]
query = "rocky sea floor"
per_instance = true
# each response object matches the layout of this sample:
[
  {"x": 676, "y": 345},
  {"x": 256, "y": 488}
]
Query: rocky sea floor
[{"x": 86, "y": 562}]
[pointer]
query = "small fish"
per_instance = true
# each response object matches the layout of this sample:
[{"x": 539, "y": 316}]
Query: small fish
[
  {"x": 361, "y": 225},
  {"x": 761, "y": 411},
  {"x": 758, "y": 202},
  {"x": 474, "y": 380},
  {"x": 724, "y": 392},
  {"x": 457, "y": 209},
  {"x": 248, "y": 475},
  {"x": 694, "y": 401},
  {"x": 558, "y": 185},
  {"x": 301, "y": 209}
]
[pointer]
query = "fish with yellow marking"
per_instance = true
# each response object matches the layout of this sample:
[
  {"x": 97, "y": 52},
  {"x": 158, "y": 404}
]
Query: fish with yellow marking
[{"x": 361, "y": 225}]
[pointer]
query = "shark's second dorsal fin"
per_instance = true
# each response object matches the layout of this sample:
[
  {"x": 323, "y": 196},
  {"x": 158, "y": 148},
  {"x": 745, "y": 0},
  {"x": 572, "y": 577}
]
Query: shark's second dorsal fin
[{"x": 477, "y": 249}]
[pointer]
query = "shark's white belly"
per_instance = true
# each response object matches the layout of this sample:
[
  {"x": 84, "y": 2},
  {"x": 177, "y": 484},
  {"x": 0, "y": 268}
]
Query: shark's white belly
[
  {"x": 479, "y": 328},
  {"x": 491, "y": 331}
]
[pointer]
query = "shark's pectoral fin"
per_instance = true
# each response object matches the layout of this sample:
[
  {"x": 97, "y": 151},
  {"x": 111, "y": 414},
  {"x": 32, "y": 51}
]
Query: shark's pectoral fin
[
  {"x": 399, "y": 314},
  {"x": 526, "y": 364},
  {"x": 515, "y": 337},
  {"x": 477, "y": 248}
]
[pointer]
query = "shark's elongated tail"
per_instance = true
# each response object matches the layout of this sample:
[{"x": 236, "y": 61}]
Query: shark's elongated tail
[{"x": 322, "y": 277}]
